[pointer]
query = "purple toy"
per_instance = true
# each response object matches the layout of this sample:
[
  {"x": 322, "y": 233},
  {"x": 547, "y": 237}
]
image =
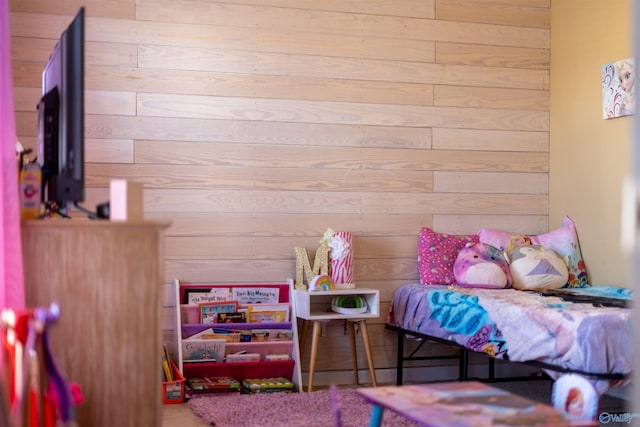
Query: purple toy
[{"x": 481, "y": 266}]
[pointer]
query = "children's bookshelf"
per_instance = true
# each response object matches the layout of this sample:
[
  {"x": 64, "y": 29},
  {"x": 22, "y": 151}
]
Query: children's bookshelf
[{"x": 260, "y": 340}]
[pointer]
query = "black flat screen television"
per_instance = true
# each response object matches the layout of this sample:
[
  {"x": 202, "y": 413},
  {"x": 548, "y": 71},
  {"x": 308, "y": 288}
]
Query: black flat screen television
[{"x": 61, "y": 121}]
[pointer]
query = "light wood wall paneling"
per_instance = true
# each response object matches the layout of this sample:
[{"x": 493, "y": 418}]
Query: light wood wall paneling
[
  {"x": 112, "y": 8},
  {"x": 273, "y": 39},
  {"x": 280, "y": 134},
  {"x": 482, "y": 97},
  {"x": 96, "y": 102},
  {"x": 489, "y": 140},
  {"x": 470, "y": 224},
  {"x": 309, "y": 202},
  {"x": 254, "y": 132},
  {"x": 39, "y": 24},
  {"x": 263, "y": 178},
  {"x": 31, "y": 49},
  {"x": 189, "y": 82},
  {"x": 255, "y": 270},
  {"x": 351, "y": 158},
  {"x": 361, "y": 24},
  {"x": 110, "y": 102},
  {"x": 241, "y": 62},
  {"x": 421, "y": 9},
  {"x": 26, "y": 124},
  {"x": 255, "y": 125},
  {"x": 492, "y": 56},
  {"x": 37, "y": 50},
  {"x": 115, "y": 151},
  {"x": 260, "y": 224},
  {"x": 190, "y": 106},
  {"x": 277, "y": 247},
  {"x": 26, "y": 99},
  {"x": 503, "y": 13},
  {"x": 28, "y": 64},
  {"x": 495, "y": 182}
]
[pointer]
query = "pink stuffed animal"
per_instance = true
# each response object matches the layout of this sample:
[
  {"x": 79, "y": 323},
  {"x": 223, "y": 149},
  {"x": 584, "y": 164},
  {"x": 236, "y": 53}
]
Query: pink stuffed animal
[{"x": 481, "y": 266}]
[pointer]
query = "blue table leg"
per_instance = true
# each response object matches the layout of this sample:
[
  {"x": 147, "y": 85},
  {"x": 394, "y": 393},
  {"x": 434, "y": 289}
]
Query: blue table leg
[{"x": 376, "y": 416}]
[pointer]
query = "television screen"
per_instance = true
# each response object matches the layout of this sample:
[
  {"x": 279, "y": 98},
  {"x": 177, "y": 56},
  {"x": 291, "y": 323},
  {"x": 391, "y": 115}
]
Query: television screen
[{"x": 61, "y": 121}]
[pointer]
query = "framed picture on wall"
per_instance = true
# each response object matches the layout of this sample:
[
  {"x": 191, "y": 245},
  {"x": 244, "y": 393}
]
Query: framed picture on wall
[{"x": 618, "y": 89}]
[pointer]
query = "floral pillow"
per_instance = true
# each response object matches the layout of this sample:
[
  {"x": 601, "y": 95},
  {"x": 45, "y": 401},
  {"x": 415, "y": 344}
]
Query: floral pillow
[
  {"x": 437, "y": 253},
  {"x": 563, "y": 241}
]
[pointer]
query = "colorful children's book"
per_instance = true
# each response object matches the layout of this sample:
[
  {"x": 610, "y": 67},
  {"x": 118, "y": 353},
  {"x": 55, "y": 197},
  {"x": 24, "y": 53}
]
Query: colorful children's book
[
  {"x": 166, "y": 364},
  {"x": 247, "y": 295},
  {"x": 213, "y": 385},
  {"x": 229, "y": 335},
  {"x": 235, "y": 317},
  {"x": 267, "y": 385},
  {"x": 243, "y": 357},
  {"x": 268, "y": 312},
  {"x": 203, "y": 350},
  {"x": 271, "y": 335},
  {"x": 209, "y": 310},
  {"x": 199, "y": 294}
]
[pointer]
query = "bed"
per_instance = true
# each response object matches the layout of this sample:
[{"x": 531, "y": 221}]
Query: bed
[
  {"x": 586, "y": 331},
  {"x": 572, "y": 327}
]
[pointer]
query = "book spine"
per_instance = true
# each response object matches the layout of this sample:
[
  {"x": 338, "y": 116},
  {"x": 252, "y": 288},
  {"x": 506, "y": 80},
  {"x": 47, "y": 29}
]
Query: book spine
[{"x": 166, "y": 364}]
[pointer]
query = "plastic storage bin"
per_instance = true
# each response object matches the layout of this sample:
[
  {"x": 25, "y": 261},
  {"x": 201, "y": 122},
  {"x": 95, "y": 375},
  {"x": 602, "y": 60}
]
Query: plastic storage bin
[{"x": 173, "y": 391}]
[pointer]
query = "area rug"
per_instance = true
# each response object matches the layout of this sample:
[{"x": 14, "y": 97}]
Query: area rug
[{"x": 313, "y": 409}]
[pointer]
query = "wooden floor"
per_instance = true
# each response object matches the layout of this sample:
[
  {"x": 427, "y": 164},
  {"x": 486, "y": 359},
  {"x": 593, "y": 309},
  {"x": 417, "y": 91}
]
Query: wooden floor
[{"x": 180, "y": 415}]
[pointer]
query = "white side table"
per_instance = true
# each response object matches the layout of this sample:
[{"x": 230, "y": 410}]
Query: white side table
[{"x": 313, "y": 306}]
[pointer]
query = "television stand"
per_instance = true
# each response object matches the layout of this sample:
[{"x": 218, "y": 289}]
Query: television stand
[{"x": 90, "y": 267}]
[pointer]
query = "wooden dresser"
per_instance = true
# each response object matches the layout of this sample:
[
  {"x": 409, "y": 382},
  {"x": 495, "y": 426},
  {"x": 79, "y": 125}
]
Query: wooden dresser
[{"x": 107, "y": 278}]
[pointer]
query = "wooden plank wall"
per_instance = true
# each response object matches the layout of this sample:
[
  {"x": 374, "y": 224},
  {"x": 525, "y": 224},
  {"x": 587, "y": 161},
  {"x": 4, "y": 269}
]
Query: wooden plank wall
[{"x": 256, "y": 124}]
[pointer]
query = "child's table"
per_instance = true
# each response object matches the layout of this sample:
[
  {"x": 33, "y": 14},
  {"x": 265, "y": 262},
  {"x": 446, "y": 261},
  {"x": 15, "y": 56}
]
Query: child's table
[{"x": 462, "y": 404}]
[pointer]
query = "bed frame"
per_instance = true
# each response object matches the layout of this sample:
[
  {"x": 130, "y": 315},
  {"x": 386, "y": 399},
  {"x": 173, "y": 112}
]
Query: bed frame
[
  {"x": 438, "y": 314},
  {"x": 462, "y": 354}
]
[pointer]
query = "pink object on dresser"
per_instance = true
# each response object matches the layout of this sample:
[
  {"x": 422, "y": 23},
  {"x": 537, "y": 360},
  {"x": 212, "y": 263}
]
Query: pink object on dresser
[{"x": 342, "y": 258}]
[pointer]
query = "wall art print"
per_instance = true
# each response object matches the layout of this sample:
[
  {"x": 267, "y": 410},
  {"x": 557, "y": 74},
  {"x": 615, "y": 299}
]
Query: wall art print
[{"x": 618, "y": 89}]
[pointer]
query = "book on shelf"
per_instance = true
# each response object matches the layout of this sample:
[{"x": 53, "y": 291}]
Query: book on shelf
[
  {"x": 203, "y": 350},
  {"x": 267, "y": 385},
  {"x": 271, "y": 335},
  {"x": 166, "y": 364},
  {"x": 195, "y": 295},
  {"x": 209, "y": 310},
  {"x": 259, "y": 313},
  {"x": 229, "y": 335},
  {"x": 276, "y": 357},
  {"x": 213, "y": 384},
  {"x": 243, "y": 357},
  {"x": 257, "y": 295},
  {"x": 235, "y": 317},
  {"x": 235, "y": 337}
]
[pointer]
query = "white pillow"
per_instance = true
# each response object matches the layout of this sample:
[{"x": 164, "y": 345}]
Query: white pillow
[{"x": 536, "y": 267}]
